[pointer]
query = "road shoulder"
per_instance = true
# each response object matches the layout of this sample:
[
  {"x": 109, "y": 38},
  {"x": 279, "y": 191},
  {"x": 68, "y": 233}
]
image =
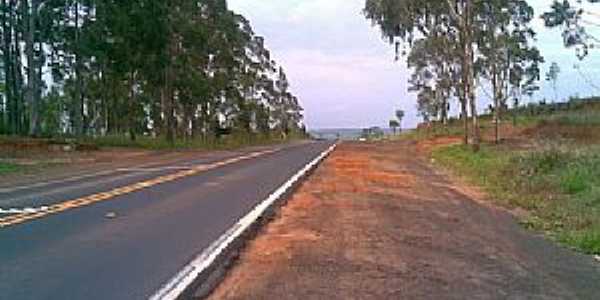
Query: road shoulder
[{"x": 375, "y": 222}]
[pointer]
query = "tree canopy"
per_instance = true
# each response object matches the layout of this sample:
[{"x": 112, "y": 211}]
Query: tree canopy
[
  {"x": 453, "y": 46},
  {"x": 177, "y": 69}
]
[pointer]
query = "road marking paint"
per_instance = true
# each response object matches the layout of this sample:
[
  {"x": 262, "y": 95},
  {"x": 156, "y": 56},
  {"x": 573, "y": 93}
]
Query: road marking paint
[
  {"x": 26, "y": 210},
  {"x": 75, "y": 178},
  {"x": 147, "y": 167},
  {"x": 41, "y": 184},
  {"x": 175, "y": 287},
  {"x": 20, "y": 216}
]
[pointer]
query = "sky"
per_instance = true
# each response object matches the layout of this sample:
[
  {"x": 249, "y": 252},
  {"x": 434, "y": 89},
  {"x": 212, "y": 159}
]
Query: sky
[{"x": 344, "y": 72}]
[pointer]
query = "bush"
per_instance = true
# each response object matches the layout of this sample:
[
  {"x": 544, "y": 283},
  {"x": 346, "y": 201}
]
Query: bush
[
  {"x": 587, "y": 240},
  {"x": 574, "y": 181}
]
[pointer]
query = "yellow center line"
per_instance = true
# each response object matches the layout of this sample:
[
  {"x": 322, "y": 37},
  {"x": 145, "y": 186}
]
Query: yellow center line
[{"x": 99, "y": 197}]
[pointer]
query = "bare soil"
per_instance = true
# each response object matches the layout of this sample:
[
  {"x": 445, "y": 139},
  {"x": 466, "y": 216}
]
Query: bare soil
[{"x": 376, "y": 222}]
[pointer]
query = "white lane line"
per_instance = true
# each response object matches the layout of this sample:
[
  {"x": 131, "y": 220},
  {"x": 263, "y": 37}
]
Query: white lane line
[
  {"x": 179, "y": 283},
  {"x": 18, "y": 216},
  {"x": 146, "y": 167},
  {"x": 4, "y": 190},
  {"x": 46, "y": 183},
  {"x": 128, "y": 173},
  {"x": 26, "y": 210}
]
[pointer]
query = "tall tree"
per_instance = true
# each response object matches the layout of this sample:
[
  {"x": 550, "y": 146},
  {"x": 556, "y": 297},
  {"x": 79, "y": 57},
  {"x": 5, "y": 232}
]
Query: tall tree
[
  {"x": 459, "y": 22},
  {"x": 400, "y": 116},
  {"x": 407, "y": 20},
  {"x": 173, "y": 69},
  {"x": 552, "y": 77},
  {"x": 504, "y": 45}
]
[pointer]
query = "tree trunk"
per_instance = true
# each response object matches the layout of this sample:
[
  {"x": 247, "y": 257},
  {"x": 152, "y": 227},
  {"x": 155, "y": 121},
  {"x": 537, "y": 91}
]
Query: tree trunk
[
  {"x": 17, "y": 81},
  {"x": 469, "y": 59},
  {"x": 131, "y": 106},
  {"x": 495, "y": 87},
  {"x": 464, "y": 103},
  {"x": 39, "y": 86},
  {"x": 169, "y": 110},
  {"x": 80, "y": 107},
  {"x": 444, "y": 109},
  {"x": 7, "y": 65},
  {"x": 515, "y": 111},
  {"x": 31, "y": 67}
]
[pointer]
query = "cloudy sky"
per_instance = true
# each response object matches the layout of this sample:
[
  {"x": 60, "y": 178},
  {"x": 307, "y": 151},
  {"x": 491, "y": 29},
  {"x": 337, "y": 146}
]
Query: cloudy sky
[{"x": 344, "y": 72}]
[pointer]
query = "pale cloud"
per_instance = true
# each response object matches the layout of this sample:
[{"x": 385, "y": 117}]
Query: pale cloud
[{"x": 344, "y": 73}]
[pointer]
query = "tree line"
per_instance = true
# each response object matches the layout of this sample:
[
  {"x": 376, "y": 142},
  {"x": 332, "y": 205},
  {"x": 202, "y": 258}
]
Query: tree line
[
  {"x": 456, "y": 48},
  {"x": 178, "y": 69}
]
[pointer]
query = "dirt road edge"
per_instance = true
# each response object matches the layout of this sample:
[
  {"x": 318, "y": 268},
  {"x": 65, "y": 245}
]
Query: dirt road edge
[{"x": 198, "y": 278}]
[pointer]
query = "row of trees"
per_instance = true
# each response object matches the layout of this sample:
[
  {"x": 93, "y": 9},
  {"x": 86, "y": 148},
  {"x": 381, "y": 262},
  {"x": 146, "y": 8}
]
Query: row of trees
[
  {"x": 173, "y": 68},
  {"x": 459, "y": 47}
]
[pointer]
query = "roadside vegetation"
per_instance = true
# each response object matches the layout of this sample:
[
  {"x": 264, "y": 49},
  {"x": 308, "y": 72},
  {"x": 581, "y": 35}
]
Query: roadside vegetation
[
  {"x": 548, "y": 165},
  {"x": 6, "y": 168},
  {"x": 150, "y": 74},
  {"x": 543, "y": 158}
]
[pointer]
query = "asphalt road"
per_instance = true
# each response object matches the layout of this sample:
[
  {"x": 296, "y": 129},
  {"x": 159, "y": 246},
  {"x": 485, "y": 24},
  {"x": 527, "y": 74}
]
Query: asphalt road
[{"x": 177, "y": 210}]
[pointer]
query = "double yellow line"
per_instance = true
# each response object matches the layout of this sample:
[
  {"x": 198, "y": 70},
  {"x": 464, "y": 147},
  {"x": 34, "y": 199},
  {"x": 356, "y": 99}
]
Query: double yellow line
[{"x": 89, "y": 200}]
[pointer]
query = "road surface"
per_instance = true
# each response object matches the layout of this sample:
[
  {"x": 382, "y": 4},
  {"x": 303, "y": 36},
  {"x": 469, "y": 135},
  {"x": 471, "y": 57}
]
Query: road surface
[{"x": 122, "y": 233}]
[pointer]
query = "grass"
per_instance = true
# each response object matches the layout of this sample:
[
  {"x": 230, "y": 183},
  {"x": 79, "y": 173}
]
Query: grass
[
  {"x": 560, "y": 186},
  {"x": 6, "y": 168},
  {"x": 582, "y": 118},
  {"x": 556, "y": 178}
]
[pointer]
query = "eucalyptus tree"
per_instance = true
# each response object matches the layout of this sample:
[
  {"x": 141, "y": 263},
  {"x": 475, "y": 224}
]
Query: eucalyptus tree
[
  {"x": 435, "y": 69},
  {"x": 552, "y": 77},
  {"x": 505, "y": 55},
  {"x": 33, "y": 92},
  {"x": 7, "y": 61},
  {"x": 171, "y": 68},
  {"x": 410, "y": 20},
  {"x": 11, "y": 65},
  {"x": 426, "y": 106},
  {"x": 477, "y": 32}
]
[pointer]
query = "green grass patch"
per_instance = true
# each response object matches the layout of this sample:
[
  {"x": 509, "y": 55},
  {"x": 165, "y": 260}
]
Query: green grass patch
[
  {"x": 578, "y": 118},
  {"x": 559, "y": 186},
  {"x": 485, "y": 168},
  {"x": 6, "y": 168},
  {"x": 588, "y": 240}
]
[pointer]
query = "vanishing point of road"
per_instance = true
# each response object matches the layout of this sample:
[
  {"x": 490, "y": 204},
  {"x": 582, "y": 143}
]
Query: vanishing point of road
[{"x": 123, "y": 232}]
